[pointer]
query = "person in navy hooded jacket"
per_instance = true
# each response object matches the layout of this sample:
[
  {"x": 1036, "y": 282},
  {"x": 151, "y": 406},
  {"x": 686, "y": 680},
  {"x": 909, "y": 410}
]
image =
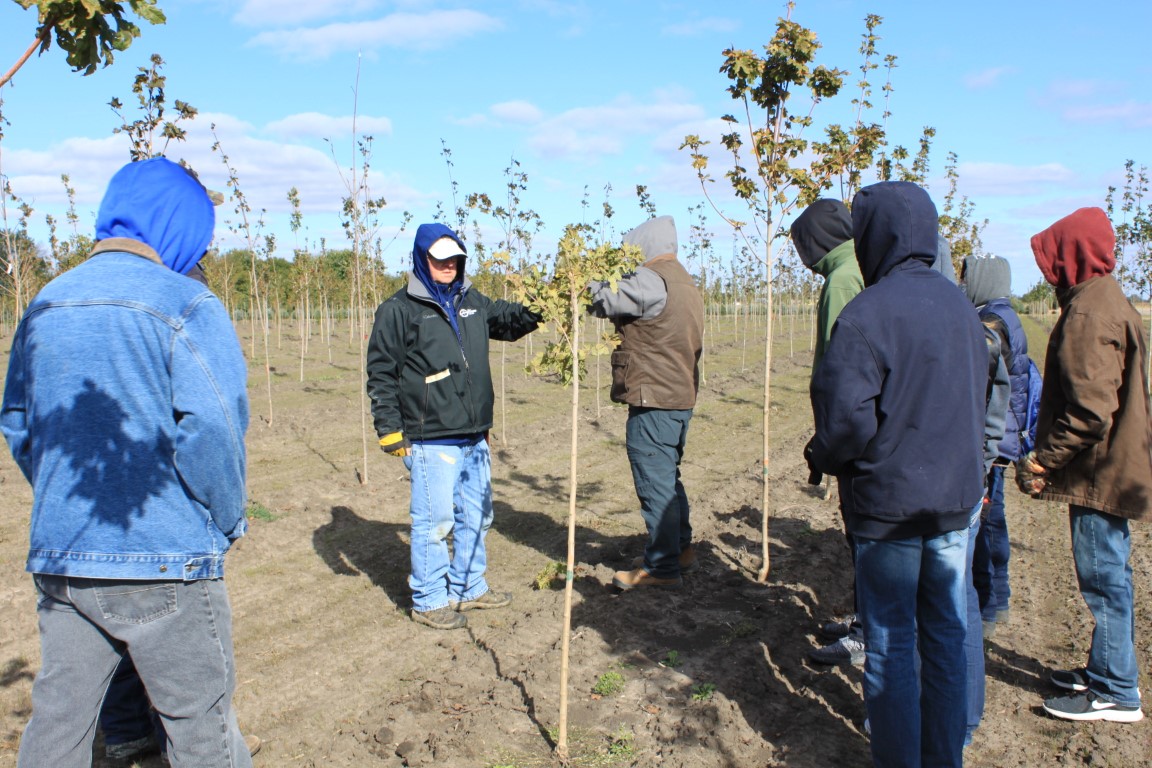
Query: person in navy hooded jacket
[
  {"x": 899, "y": 405},
  {"x": 126, "y": 407},
  {"x": 431, "y": 392}
]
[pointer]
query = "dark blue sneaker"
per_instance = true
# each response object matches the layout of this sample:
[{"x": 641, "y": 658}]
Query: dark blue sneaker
[
  {"x": 1070, "y": 679},
  {"x": 1086, "y": 706}
]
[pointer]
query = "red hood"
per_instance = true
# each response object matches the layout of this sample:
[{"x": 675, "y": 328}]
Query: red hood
[{"x": 1078, "y": 247}]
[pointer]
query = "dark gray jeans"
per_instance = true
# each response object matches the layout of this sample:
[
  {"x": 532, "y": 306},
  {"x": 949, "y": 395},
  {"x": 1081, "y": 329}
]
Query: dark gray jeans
[
  {"x": 179, "y": 635},
  {"x": 656, "y": 440}
]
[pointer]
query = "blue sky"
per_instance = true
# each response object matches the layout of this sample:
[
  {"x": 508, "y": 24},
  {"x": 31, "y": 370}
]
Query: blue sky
[{"x": 1042, "y": 102}]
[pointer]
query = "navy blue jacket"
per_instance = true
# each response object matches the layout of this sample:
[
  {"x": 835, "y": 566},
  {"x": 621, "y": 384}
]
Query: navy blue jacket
[
  {"x": 1018, "y": 370},
  {"x": 899, "y": 400}
]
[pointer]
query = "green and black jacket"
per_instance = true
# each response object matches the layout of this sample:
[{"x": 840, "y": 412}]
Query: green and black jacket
[{"x": 424, "y": 379}]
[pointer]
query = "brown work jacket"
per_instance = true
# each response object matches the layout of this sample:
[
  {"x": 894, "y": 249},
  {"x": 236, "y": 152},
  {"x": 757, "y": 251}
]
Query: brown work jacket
[{"x": 1093, "y": 431}]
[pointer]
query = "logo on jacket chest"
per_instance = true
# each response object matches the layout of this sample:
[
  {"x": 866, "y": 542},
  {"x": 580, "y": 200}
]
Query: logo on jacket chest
[{"x": 467, "y": 312}]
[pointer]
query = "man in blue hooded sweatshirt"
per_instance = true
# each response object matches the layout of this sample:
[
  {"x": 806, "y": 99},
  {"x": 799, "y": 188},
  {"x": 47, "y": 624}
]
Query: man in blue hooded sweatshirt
[
  {"x": 126, "y": 407},
  {"x": 431, "y": 392},
  {"x": 899, "y": 404}
]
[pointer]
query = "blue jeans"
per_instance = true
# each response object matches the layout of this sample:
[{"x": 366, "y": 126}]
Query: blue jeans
[
  {"x": 973, "y": 637},
  {"x": 656, "y": 439},
  {"x": 913, "y": 602},
  {"x": 990, "y": 566},
  {"x": 451, "y": 494},
  {"x": 1100, "y": 548},
  {"x": 179, "y": 635},
  {"x": 126, "y": 714}
]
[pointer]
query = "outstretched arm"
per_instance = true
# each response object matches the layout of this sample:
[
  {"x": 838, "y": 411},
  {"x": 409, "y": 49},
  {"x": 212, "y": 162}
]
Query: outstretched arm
[{"x": 641, "y": 295}]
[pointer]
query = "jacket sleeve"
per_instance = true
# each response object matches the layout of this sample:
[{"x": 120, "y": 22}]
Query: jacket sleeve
[
  {"x": 999, "y": 394},
  {"x": 210, "y": 405},
  {"x": 14, "y": 412},
  {"x": 844, "y": 393},
  {"x": 1091, "y": 373},
  {"x": 640, "y": 295},
  {"x": 385, "y": 362},
  {"x": 509, "y": 321}
]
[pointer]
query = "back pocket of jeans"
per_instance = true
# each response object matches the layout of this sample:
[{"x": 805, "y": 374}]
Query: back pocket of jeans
[{"x": 136, "y": 603}]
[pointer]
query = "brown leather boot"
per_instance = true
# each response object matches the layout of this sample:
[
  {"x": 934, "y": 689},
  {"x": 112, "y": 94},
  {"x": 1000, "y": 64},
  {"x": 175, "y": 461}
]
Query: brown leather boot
[
  {"x": 626, "y": 580},
  {"x": 688, "y": 562}
]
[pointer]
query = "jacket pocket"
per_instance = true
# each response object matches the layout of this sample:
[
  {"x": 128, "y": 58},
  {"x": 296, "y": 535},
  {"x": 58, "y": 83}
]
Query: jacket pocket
[
  {"x": 620, "y": 362},
  {"x": 136, "y": 602}
]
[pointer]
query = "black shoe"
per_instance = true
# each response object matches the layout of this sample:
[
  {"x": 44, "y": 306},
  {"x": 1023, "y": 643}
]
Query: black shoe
[
  {"x": 1070, "y": 679},
  {"x": 1086, "y": 706},
  {"x": 834, "y": 630}
]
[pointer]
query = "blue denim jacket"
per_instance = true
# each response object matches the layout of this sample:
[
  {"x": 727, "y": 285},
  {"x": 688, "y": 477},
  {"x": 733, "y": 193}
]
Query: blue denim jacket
[{"x": 126, "y": 407}]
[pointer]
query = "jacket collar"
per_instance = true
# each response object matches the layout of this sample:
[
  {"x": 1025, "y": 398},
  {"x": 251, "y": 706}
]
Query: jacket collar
[
  {"x": 835, "y": 258},
  {"x": 127, "y": 245}
]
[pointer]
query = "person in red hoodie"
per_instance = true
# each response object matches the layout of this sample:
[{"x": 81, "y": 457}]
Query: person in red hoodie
[{"x": 1094, "y": 452}]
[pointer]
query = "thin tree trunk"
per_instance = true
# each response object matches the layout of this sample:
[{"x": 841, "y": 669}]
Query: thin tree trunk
[
  {"x": 45, "y": 35},
  {"x": 1148, "y": 373},
  {"x": 762, "y": 577},
  {"x": 562, "y": 741},
  {"x": 599, "y": 336}
]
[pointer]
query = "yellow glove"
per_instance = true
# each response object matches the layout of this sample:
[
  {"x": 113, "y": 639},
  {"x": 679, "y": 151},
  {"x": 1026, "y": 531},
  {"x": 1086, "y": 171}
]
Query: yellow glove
[{"x": 396, "y": 444}]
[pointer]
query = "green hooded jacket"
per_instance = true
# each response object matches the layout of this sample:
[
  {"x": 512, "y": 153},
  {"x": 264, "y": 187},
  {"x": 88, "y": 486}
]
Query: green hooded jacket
[{"x": 842, "y": 281}]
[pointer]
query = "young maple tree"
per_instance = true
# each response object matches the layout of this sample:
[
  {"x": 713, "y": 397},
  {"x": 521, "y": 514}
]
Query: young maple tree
[
  {"x": 787, "y": 170},
  {"x": 561, "y": 296}
]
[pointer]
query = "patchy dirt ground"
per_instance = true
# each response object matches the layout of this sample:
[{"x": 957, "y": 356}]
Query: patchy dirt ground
[{"x": 333, "y": 673}]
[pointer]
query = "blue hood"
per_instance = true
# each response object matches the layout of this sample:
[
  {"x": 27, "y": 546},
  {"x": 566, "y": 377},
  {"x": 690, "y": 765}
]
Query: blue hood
[
  {"x": 893, "y": 222},
  {"x": 159, "y": 203},
  {"x": 426, "y": 235}
]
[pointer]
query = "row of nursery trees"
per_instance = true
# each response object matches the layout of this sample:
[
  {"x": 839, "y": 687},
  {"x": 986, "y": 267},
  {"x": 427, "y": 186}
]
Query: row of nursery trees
[{"x": 768, "y": 162}]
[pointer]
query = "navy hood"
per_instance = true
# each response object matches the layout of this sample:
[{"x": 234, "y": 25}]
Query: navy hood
[
  {"x": 893, "y": 222},
  {"x": 159, "y": 203},
  {"x": 426, "y": 235},
  {"x": 821, "y": 227}
]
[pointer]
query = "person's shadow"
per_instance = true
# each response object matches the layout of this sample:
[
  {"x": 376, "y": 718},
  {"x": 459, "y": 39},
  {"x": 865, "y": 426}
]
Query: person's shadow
[{"x": 351, "y": 546}]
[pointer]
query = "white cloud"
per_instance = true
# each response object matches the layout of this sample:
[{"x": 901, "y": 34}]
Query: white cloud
[
  {"x": 1130, "y": 114},
  {"x": 1004, "y": 179},
  {"x": 605, "y": 129},
  {"x": 478, "y": 120},
  {"x": 521, "y": 112},
  {"x": 709, "y": 25},
  {"x": 986, "y": 78},
  {"x": 1064, "y": 90},
  {"x": 282, "y": 13},
  {"x": 88, "y": 163},
  {"x": 425, "y": 32},
  {"x": 266, "y": 171},
  {"x": 313, "y": 125}
]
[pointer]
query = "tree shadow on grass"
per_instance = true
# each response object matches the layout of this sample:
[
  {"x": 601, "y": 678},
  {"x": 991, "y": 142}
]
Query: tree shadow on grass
[{"x": 742, "y": 640}]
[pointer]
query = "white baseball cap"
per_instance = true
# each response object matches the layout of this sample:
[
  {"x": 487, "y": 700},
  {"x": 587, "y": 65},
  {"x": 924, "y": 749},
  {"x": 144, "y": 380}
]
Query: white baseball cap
[{"x": 445, "y": 248}]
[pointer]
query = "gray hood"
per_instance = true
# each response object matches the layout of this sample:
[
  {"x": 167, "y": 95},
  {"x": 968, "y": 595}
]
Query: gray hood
[
  {"x": 986, "y": 279},
  {"x": 655, "y": 237},
  {"x": 943, "y": 263}
]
